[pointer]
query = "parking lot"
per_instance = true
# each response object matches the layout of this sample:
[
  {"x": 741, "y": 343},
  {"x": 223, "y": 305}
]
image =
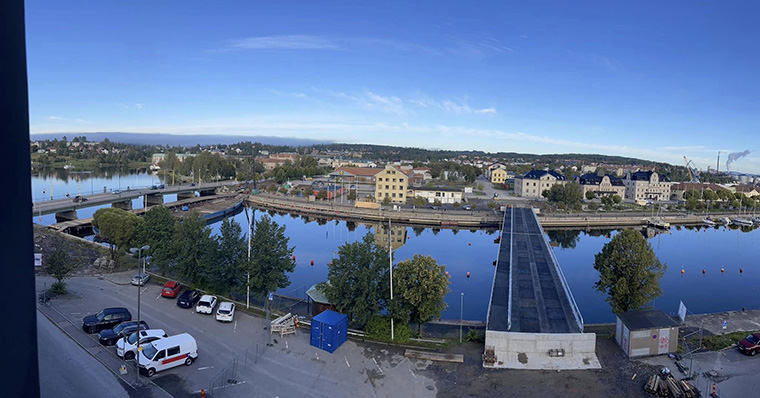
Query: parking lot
[{"x": 290, "y": 367}]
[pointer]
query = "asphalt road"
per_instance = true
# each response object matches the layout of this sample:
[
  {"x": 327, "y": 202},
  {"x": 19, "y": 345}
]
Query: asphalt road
[
  {"x": 290, "y": 367},
  {"x": 66, "y": 370}
]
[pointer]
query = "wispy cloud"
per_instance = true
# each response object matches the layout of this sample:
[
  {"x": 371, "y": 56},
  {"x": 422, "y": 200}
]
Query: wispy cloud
[
  {"x": 288, "y": 42},
  {"x": 67, "y": 120},
  {"x": 480, "y": 48},
  {"x": 131, "y": 106}
]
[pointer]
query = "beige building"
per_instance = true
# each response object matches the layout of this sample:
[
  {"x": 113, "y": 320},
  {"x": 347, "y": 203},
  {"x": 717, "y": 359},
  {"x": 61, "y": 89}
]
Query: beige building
[
  {"x": 602, "y": 186},
  {"x": 646, "y": 185},
  {"x": 443, "y": 194},
  {"x": 391, "y": 183},
  {"x": 535, "y": 182},
  {"x": 499, "y": 176},
  {"x": 646, "y": 333},
  {"x": 677, "y": 190}
]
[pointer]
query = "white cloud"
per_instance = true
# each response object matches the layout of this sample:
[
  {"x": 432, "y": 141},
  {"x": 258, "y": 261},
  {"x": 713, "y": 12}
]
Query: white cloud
[
  {"x": 138, "y": 106},
  {"x": 287, "y": 42}
]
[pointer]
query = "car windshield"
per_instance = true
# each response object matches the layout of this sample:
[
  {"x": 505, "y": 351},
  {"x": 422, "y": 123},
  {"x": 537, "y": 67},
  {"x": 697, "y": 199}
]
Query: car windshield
[
  {"x": 149, "y": 350},
  {"x": 203, "y": 304},
  {"x": 224, "y": 312},
  {"x": 119, "y": 327},
  {"x": 132, "y": 338},
  {"x": 752, "y": 339},
  {"x": 100, "y": 315}
]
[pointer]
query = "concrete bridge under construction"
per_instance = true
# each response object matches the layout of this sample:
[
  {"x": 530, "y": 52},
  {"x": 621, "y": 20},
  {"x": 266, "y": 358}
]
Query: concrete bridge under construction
[{"x": 533, "y": 321}]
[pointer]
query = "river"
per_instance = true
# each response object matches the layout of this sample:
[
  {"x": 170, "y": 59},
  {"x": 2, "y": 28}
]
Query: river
[{"x": 473, "y": 251}]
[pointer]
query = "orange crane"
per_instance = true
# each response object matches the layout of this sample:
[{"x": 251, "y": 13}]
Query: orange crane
[{"x": 693, "y": 171}]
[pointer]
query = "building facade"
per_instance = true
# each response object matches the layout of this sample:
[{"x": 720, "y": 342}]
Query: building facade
[
  {"x": 443, "y": 194},
  {"x": 602, "y": 185},
  {"x": 535, "y": 182},
  {"x": 391, "y": 183},
  {"x": 499, "y": 176},
  {"x": 646, "y": 186}
]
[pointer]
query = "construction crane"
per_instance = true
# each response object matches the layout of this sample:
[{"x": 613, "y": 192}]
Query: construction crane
[{"x": 693, "y": 171}]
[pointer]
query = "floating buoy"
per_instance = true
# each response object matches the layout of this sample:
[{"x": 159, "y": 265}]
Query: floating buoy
[
  {"x": 312, "y": 262},
  {"x": 494, "y": 263},
  {"x": 447, "y": 274},
  {"x": 722, "y": 269},
  {"x": 682, "y": 270},
  {"x": 294, "y": 258},
  {"x": 741, "y": 270},
  {"x": 703, "y": 271},
  {"x": 468, "y": 274},
  {"x": 469, "y": 244}
]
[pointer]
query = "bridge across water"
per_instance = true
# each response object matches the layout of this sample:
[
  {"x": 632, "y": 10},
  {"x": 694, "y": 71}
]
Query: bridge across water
[{"x": 533, "y": 321}]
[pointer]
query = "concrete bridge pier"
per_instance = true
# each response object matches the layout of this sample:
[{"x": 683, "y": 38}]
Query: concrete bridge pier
[
  {"x": 208, "y": 192},
  {"x": 124, "y": 205},
  {"x": 185, "y": 195},
  {"x": 153, "y": 199},
  {"x": 68, "y": 215}
]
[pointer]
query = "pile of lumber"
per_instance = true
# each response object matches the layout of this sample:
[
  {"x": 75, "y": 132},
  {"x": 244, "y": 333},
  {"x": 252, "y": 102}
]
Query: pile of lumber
[
  {"x": 284, "y": 325},
  {"x": 666, "y": 385}
]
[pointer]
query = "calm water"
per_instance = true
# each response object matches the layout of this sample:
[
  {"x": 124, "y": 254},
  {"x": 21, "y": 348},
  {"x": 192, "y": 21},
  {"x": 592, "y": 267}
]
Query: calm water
[{"x": 465, "y": 251}]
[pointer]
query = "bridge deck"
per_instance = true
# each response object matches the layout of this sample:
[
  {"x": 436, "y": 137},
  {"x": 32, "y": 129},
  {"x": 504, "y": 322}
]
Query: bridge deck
[{"x": 528, "y": 285}]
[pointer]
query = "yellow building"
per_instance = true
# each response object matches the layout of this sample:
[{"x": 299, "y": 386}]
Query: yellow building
[
  {"x": 398, "y": 236},
  {"x": 391, "y": 183},
  {"x": 498, "y": 176}
]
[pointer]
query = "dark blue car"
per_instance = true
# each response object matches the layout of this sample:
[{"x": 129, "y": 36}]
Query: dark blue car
[{"x": 110, "y": 336}]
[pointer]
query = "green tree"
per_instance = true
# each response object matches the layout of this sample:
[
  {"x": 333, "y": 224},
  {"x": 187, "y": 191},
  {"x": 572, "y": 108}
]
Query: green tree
[
  {"x": 270, "y": 257},
  {"x": 629, "y": 272},
  {"x": 60, "y": 266},
  {"x": 420, "y": 285},
  {"x": 322, "y": 194},
  {"x": 569, "y": 195},
  {"x": 617, "y": 199},
  {"x": 387, "y": 200},
  {"x": 590, "y": 195},
  {"x": 157, "y": 231},
  {"x": 358, "y": 279},
  {"x": 193, "y": 249},
  {"x": 226, "y": 273},
  {"x": 117, "y": 226}
]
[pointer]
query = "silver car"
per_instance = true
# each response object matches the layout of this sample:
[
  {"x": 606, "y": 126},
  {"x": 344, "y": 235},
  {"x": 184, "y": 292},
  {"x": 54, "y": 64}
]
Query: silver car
[
  {"x": 126, "y": 347},
  {"x": 140, "y": 279}
]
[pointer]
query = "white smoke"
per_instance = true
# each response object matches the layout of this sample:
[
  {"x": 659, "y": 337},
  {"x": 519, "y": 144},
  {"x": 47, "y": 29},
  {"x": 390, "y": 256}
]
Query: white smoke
[{"x": 734, "y": 157}]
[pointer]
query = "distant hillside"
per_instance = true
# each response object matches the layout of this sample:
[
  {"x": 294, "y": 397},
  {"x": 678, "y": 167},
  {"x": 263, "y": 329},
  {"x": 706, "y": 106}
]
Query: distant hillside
[{"x": 181, "y": 140}]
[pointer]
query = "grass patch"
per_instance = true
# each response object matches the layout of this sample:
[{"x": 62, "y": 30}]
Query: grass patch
[
  {"x": 479, "y": 193},
  {"x": 719, "y": 342}
]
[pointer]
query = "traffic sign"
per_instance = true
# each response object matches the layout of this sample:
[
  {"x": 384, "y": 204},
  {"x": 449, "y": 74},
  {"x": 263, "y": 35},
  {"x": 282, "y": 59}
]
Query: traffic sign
[
  {"x": 271, "y": 296},
  {"x": 725, "y": 325}
]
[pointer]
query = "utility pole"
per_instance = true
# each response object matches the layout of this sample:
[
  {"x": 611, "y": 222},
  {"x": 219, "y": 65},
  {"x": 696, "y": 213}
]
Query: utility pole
[{"x": 390, "y": 267}]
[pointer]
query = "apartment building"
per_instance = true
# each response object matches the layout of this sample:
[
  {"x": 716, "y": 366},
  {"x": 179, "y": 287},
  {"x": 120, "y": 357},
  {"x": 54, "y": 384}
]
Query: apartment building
[
  {"x": 499, "y": 176},
  {"x": 601, "y": 185},
  {"x": 445, "y": 195},
  {"x": 646, "y": 186},
  {"x": 535, "y": 182},
  {"x": 392, "y": 183}
]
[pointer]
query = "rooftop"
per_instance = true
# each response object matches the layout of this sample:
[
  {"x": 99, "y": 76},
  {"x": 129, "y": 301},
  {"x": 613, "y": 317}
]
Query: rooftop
[{"x": 637, "y": 320}]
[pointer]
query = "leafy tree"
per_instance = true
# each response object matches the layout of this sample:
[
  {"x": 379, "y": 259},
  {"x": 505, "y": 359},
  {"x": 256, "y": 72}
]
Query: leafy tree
[
  {"x": 117, "y": 226},
  {"x": 420, "y": 201},
  {"x": 590, "y": 195},
  {"x": 351, "y": 194},
  {"x": 629, "y": 272},
  {"x": 420, "y": 285},
  {"x": 226, "y": 273},
  {"x": 322, "y": 194},
  {"x": 710, "y": 195},
  {"x": 357, "y": 280},
  {"x": 270, "y": 257},
  {"x": 193, "y": 249},
  {"x": 568, "y": 195},
  {"x": 387, "y": 200},
  {"x": 567, "y": 238},
  {"x": 157, "y": 231},
  {"x": 60, "y": 266},
  {"x": 617, "y": 199}
]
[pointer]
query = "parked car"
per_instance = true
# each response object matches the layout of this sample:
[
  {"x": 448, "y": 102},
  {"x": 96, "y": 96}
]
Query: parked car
[
  {"x": 126, "y": 347},
  {"x": 161, "y": 186},
  {"x": 467, "y": 207},
  {"x": 79, "y": 199},
  {"x": 110, "y": 336},
  {"x": 192, "y": 184},
  {"x": 171, "y": 289},
  {"x": 188, "y": 298},
  {"x": 206, "y": 304},
  {"x": 434, "y": 207},
  {"x": 140, "y": 279},
  {"x": 105, "y": 319},
  {"x": 116, "y": 192},
  {"x": 154, "y": 187},
  {"x": 750, "y": 345},
  {"x": 167, "y": 353},
  {"x": 226, "y": 312}
]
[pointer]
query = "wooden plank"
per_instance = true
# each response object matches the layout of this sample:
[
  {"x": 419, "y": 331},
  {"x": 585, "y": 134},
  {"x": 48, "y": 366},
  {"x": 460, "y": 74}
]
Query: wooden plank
[{"x": 434, "y": 356}]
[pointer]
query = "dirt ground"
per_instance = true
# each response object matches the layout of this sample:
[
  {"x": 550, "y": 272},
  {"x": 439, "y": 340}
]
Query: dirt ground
[
  {"x": 86, "y": 252},
  {"x": 470, "y": 379}
]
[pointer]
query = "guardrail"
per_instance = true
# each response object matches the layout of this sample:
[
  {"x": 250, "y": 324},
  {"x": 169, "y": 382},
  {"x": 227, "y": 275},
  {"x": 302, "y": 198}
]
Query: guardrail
[{"x": 568, "y": 292}]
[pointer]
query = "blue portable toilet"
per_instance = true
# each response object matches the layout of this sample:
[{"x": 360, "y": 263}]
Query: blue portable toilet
[{"x": 329, "y": 330}]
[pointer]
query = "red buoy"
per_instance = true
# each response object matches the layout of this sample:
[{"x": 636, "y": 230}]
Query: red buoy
[
  {"x": 294, "y": 258},
  {"x": 468, "y": 274},
  {"x": 741, "y": 270},
  {"x": 312, "y": 262},
  {"x": 703, "y": 270}
]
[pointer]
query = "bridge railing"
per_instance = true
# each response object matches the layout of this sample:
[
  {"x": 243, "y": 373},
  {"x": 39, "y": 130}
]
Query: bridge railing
[{"x": 568, "y": 292}]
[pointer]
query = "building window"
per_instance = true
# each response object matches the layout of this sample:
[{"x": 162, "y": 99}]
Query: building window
[
  {"x": 386, "y": 187},
  {"x": 400, "y": 180},
  {"x": 401, "y": 195},
  {"x": 393, "y": 187},
  {"x": 394, "y": 195},
  {"x": 394, "y": 180}
]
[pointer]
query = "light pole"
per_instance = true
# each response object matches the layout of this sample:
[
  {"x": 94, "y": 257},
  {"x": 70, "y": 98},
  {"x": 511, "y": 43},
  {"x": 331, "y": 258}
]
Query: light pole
[
  {"x": 139, "y": 289},
  {"x": 461, "y": 309}
]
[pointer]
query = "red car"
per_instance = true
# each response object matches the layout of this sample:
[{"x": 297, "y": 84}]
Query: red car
[
  {"x": 751, "y": 344},
  {"x": 171, "y": 289}
]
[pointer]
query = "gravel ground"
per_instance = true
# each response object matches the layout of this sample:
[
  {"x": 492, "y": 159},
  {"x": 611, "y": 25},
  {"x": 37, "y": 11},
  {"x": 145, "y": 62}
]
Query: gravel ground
[
  {"x": 472, "y": 380},
  {"x": 47, "y": 241}
]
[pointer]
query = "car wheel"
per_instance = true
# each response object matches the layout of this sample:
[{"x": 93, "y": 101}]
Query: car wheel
[
  {"x": 188, "y": 361},
  {"x": 91, "y": 329},
  {"x": 129, "y": 355},
  {"x": 151, "y": 372},
  {"x": 753, "y": 352}
]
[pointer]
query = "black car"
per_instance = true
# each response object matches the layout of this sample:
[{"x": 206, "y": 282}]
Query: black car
[
  {"x": 110, "y": 336},
  {"x": 105, "y": 319},
  {"x": 188, "y": 298},
  {"x": 79, "y": 199}
]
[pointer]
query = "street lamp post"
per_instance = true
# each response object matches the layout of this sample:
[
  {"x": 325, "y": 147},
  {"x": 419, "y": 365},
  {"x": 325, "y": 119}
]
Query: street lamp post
[
  {"x": 139, "y": 289},
  {"x": 461, "y": 309}
]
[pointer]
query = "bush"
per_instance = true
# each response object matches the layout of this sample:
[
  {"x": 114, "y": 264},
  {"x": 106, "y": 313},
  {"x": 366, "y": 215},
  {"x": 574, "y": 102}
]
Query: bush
[
  {"x": 379, "y": 328},
  {"x": 58, "y": 288},
  {"x": 474, "y": 335}
]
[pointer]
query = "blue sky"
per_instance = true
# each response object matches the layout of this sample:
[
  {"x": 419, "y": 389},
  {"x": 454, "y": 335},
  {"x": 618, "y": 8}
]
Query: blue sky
[{"x": 656, "y": 80}]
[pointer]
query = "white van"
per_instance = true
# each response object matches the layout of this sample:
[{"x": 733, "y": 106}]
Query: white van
[{"x": 167, "y": 353}]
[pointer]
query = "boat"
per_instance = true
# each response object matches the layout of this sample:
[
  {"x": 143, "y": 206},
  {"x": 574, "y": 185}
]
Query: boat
[
  {"x": 742, "y": 221},
  {"x": 708, "y": 222},
  {"x": 755, "y": 220},
  {"x": 659, "y": 223},
  {"x": 725, "y": 220}
]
